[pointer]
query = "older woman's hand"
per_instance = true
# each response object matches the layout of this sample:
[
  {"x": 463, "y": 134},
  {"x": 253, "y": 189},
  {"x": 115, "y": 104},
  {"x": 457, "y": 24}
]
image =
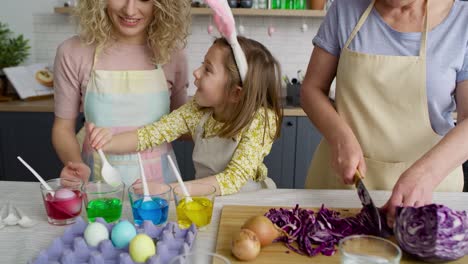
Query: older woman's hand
[
  {"x": 347, "y": 157},
  {"x": 413, "y": 188}
]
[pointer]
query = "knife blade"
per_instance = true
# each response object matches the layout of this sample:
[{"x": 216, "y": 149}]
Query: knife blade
[{"x": 367, "y": 202}]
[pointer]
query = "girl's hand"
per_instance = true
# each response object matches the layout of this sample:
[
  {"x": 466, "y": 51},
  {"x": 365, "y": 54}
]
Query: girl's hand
[
  {"x": 347, "y": 157},
  {"x": 413, "y": 188},
  {"x": 76, "y": 170},
  {"x": 98, "y": 136}
]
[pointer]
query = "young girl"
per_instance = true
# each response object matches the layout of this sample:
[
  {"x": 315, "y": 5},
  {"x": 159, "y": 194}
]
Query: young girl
[
  {"x": 124, "y": 70},
  {"x": 233, "y": 119}
]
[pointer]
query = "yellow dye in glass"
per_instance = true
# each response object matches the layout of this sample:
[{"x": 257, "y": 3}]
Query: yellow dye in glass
[{"x": 197, "y": 211}]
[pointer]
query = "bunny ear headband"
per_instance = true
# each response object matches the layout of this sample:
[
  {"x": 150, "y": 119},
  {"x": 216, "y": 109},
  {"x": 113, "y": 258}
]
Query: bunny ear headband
[{"x": 224, "y": 21}]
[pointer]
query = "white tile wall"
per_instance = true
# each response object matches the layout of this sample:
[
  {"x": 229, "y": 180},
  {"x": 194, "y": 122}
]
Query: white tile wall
[{"x": 289, "y": 44}]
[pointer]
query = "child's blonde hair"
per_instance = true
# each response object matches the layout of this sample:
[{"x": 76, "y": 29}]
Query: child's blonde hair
[
  {"x": 259, "y": 90},
  {"x": 167, "y": 31}
]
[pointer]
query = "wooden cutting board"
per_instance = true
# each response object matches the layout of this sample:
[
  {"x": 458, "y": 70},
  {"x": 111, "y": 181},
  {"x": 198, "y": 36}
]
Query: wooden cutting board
[{"x": 233, "y": 217}]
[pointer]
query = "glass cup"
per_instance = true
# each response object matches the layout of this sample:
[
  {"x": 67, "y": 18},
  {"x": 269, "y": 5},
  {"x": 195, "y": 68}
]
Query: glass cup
[
  {"x": 63, "y": 203},
  {"x": 155, "y": 208},
  {"x": 197, "y": 211},
  {"x": 103, "y": 200},
  {"x": 200, "y": 258},
  {"x": 368, "y": 249}
]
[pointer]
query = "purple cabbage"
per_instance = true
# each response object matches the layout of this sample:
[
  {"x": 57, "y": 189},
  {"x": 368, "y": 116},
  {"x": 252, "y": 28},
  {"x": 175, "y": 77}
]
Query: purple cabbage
[
  {"x": 323, "y": 229},
  {"x": 432, "y": 233}
]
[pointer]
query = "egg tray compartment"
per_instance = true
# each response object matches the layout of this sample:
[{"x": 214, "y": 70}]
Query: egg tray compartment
[{"x": 71, "y": 247}]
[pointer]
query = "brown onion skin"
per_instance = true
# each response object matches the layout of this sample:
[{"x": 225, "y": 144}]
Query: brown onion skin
[
  {"x": 245, "y": 245},
  {"x": 265, "y": 230}
]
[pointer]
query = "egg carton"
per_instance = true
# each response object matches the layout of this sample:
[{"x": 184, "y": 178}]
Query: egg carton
[{"x": 71, "y": 247}]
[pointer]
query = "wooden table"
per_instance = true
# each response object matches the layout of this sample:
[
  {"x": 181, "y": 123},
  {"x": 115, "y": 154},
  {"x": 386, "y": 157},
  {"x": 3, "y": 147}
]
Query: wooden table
[{"x": 18, "y": 245}]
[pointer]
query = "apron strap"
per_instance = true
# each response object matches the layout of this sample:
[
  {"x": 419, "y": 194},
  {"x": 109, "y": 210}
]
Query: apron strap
[
  {"x": 97, "y": 50},
  {"x": 359, "y": 24},
  {"x": 422, "y": 49},
  {"x": 199, "y": 130}
]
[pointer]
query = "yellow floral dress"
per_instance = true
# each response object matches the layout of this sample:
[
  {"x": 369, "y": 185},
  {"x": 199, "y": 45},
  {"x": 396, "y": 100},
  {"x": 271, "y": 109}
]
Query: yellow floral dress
[{"x": 255, "y": 142}]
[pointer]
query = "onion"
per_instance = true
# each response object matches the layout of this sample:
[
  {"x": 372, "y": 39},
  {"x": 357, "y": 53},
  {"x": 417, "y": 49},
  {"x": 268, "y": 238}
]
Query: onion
[
  {"x": 265, "y": 230},
  {"x": 245, "y": 245}
]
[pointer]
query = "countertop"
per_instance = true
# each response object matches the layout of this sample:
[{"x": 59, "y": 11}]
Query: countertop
[
  {"x": 47, "y": 105},
  {"x": 18, "y": 245}
]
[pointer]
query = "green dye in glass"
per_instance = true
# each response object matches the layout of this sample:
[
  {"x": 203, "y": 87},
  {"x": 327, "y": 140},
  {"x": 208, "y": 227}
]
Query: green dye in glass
[{"x": 108, "y": 208}]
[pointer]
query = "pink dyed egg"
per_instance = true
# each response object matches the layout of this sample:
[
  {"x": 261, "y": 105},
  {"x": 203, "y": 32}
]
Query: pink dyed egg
[{"x": 64, "y": 194}]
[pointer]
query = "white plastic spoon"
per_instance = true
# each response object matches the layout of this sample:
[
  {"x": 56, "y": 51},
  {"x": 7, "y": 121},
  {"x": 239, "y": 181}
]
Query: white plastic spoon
[
  {"x": 11, "y": 218},
  {"x": 146, "y": 194},
  {"x": 24, "y": 221},
  {"x": 179, "y": 179},
  {"x": 110, "y": 174},
  {"x": 147, "y": 205},
  {"x": 41, "y": 180}
]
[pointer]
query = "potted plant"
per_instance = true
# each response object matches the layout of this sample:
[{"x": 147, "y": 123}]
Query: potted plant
[{"x": 13, "y": 51}]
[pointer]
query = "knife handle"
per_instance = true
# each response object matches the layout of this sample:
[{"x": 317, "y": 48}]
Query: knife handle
[{"x": 357, "y": 176}]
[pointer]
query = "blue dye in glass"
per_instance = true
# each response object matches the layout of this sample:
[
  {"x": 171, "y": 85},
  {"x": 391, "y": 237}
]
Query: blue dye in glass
[{"x": 156, "y": 211}]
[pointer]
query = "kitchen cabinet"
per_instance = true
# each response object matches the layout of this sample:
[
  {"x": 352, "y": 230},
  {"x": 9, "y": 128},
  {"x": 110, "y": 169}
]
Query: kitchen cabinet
[
  {"x": 280, "y": 161},
  {"x": 465, "y": 172},
  {"x": 27, "y": 135},
  {"x": 307, "y": 140},
  {"x": 183, "y": 150}
]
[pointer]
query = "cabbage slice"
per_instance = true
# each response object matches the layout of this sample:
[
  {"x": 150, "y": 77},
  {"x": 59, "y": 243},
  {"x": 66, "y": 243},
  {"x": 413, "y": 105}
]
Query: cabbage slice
[
  {"x": 432, "y": 233},
  {"x": 319, "y": 232}
]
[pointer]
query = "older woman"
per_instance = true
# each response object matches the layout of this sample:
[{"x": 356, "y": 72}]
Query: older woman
[
  {"x": 125, "y": 69},
  {"x": 401, "y": 69}
]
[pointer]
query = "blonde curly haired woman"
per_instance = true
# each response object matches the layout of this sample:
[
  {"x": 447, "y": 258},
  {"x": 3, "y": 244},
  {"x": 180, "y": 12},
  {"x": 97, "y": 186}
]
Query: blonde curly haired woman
[{"x": 125, "y": 69}]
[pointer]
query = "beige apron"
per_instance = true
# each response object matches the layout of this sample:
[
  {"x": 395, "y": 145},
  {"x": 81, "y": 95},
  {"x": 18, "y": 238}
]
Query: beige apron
[
  {"x": 383, "y": 99},
  {"x": 212, "y": 155}
]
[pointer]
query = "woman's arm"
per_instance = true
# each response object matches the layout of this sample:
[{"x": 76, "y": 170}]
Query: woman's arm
[
  {"x": 346, "y": 152},
  {"x": 416, "y": 184},
  {"x": 64, "y": 140},
  {"x": 67, "y": 148},
  {"x": 177, "y": 74}
]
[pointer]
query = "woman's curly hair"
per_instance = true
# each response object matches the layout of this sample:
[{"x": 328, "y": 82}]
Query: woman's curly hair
[{"x": 167, "y": 31}]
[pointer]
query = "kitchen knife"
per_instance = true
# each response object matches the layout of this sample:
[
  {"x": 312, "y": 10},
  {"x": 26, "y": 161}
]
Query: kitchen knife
[{"x": 366, "y": 200}]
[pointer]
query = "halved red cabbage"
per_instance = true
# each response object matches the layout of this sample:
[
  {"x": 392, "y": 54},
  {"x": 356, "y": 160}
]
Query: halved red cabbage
[
  {"x": 432, "y": 233},
  {"x": 324, "y": 229}
]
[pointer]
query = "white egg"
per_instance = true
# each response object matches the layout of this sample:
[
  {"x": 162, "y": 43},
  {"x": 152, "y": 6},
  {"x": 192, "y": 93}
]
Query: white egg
[
  {"x": 64, "y": 194},
  {"x": 95, "y": 233}
]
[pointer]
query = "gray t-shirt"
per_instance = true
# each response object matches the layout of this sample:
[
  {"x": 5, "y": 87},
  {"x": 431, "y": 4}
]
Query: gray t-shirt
[{"x": 447, "y": 49}]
